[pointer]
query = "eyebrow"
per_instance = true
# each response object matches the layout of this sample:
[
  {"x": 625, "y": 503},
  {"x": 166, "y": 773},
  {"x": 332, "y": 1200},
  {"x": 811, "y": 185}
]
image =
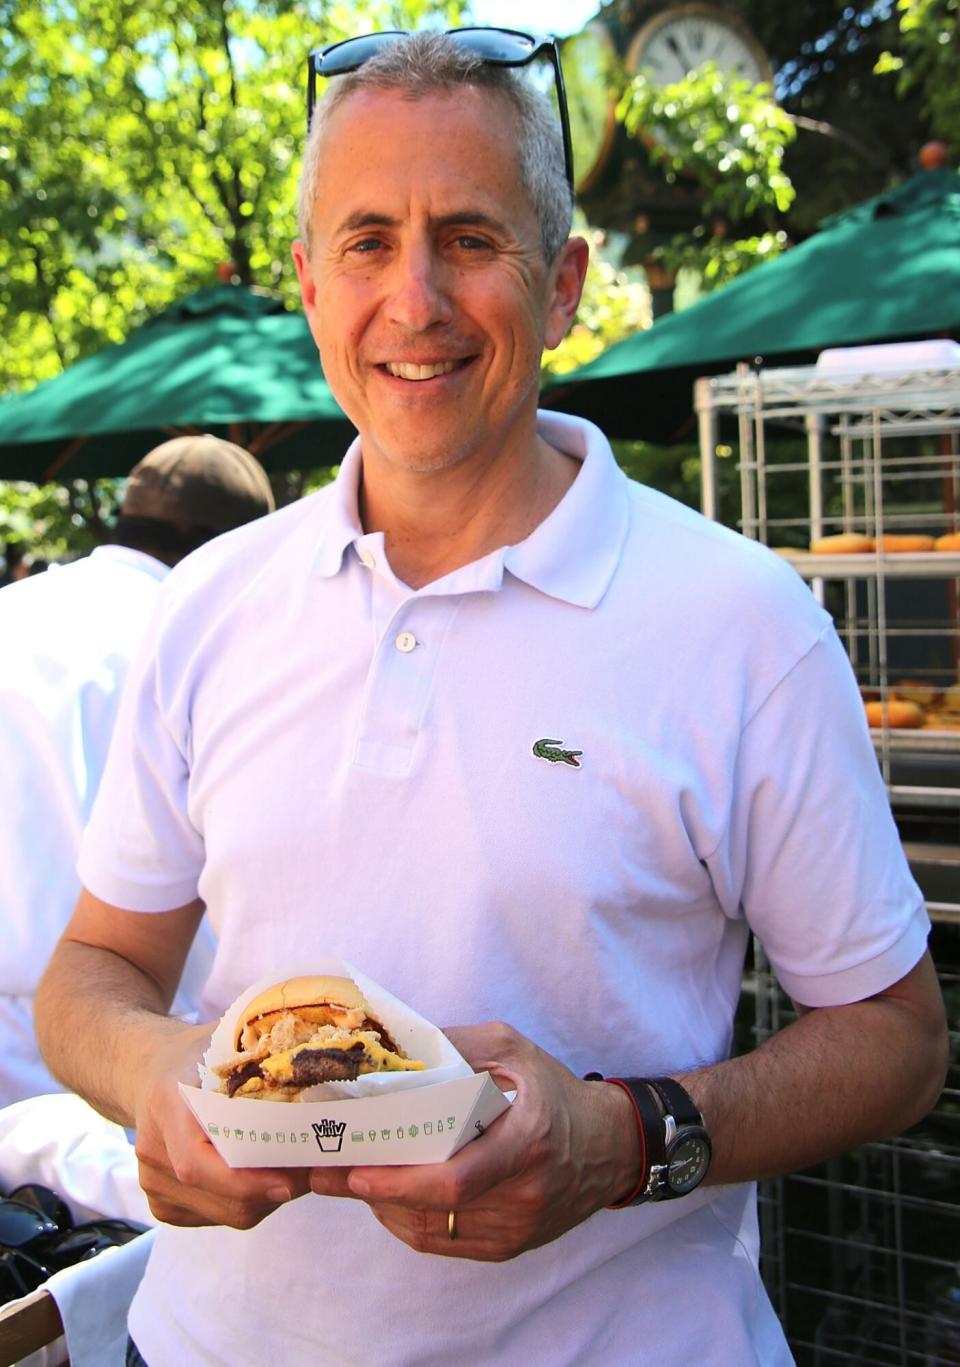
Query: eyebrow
[{"x": 467, "y": 218}]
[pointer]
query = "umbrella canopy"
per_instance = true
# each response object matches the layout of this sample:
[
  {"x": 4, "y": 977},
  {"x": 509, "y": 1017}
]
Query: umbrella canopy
[
  {"x": 226, "y": 360},
  {"x": 886, "y": 270}
]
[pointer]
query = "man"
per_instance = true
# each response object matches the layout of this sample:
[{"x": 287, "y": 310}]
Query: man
[
  {"x": 68, "y": 638},
  {"x": 524, "y": 741}
]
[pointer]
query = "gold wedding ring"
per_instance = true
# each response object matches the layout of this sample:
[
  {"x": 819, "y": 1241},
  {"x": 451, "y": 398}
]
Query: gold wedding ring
[{"x": 452, "y": 1224}]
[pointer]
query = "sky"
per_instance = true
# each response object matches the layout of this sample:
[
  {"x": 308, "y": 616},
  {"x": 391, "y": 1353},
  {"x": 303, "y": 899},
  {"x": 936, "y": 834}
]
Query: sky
[{"x": 541, "y": 16}]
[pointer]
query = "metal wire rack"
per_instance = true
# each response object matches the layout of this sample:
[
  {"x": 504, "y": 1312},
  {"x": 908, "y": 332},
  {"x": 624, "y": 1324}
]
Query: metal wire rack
[{"x": 862, "y": 1254}]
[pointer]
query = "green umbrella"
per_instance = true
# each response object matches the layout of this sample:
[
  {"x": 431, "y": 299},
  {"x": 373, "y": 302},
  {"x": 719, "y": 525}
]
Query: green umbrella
[
  {"x": 886, "y": 270},
  {"x": 227, "y": 360}
]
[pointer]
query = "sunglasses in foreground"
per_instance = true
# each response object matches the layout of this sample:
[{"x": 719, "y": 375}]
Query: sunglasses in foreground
[
  {"x": 38, "y": 1237},
  {"x": 494, "y": 46}
]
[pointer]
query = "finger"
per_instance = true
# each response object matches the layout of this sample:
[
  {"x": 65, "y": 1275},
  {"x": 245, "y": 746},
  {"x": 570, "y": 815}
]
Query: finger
[
  {"x": 490, "y": 1040},
  {"x": 469, "y": 1174},
  {"x": 183, "y": 1169},
  {"x": 332, "y": 1182},
  {"x": 240, "y": 1204},
  {"x": 429, "y": 1232}
]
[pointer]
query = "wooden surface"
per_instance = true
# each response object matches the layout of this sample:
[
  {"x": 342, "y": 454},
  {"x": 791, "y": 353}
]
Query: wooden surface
[{"x": 28, "y": 1325}]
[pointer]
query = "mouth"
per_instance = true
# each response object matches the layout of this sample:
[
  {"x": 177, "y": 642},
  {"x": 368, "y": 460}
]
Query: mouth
[{"x": 411, "y": 370}]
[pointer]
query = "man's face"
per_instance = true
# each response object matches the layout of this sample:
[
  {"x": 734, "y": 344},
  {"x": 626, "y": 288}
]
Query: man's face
[{"x": 426, "y": 288}]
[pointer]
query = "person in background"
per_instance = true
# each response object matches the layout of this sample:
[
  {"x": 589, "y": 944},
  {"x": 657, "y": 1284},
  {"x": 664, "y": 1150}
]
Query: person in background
[
  {"x": 66, "y": 642},
  {"x": 14, "y": 563},
  {"x": 534, "y": 747}
]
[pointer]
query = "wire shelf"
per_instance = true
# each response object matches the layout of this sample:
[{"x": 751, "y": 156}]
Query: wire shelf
[{"x": 861, "y": 1255}]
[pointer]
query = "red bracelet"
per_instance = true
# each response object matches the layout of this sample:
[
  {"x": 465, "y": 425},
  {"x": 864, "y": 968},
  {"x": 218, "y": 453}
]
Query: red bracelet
[{"x": 639, "y": 1105}]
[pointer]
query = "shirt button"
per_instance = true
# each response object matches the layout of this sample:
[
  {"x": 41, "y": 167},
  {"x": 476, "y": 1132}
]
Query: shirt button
[
  {"x": 367, "y": 559},
  {"x": 405, "y": 642}
]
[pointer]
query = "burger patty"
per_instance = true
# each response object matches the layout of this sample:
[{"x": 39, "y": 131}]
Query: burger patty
[
  {"x": 308, "y": 1066},
  {"x": 385, "y": 1037}
]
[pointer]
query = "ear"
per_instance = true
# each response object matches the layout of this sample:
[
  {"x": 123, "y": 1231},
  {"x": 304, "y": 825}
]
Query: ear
[
  {"x": 568, "y": 273},
  {"x": 308, "y": 286}
]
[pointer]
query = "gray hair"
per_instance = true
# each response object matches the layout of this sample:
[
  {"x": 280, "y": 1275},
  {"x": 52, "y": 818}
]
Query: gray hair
[{"x": 425, "y": 63}]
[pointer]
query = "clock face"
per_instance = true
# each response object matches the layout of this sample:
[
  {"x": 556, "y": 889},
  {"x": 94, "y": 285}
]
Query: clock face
[
  {"x": 683, "y": 37},
  {"x": 589, "y": 59}
]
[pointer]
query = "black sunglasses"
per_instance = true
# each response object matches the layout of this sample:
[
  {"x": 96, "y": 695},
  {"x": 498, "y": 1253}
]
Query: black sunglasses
[
  {"x": 38, "y": 1237},
  {"x": 494, "y": 46},
  {"x": 19, "y": 1275}
]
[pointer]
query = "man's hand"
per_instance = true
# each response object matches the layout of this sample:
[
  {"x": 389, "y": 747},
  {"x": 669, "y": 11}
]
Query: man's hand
[
  {"x": 185, "y": 1180},
  {"x": 563, "y": 1150}
]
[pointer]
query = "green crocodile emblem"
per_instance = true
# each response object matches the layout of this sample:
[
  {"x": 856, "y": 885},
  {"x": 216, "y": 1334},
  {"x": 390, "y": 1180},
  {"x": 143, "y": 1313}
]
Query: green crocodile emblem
[{"x": 553, "y": 751}]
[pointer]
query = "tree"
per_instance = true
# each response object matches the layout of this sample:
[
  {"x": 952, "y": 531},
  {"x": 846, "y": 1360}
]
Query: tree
[
  {"x": 143, "y": 147},
  {"x": 857, "y": 131},
  {"x": 143, "y": 150},
  {"x": 730, "y": 136},
  {"x": 927, "y": 64}
]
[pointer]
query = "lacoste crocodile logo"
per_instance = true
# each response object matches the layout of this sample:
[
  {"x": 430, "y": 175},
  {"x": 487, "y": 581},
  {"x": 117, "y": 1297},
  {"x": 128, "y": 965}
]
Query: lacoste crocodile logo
[{"x": 553, "y": 751}]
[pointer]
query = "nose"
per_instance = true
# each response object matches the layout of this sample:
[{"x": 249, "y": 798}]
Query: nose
[{"x": 418, "y": 297}]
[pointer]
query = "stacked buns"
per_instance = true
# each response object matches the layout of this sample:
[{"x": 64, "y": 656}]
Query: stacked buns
[
  {"x": 891, "y": 543},
  {"x": 913, "y": 704}
]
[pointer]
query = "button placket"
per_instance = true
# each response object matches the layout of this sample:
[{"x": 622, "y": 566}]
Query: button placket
[{"x": 399, "y": 683}]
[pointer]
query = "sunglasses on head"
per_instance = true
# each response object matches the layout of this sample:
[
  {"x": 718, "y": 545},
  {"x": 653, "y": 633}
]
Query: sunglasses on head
[{"x": 495, "y": 46}]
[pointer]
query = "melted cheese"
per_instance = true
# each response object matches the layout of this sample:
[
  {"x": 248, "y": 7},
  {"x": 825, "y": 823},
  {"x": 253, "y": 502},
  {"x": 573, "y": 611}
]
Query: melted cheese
[{"x": 376, "y": 1059}]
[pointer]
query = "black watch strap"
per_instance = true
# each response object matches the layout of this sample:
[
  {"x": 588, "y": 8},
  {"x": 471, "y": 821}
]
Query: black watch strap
[
  {"x": 651, "y": 1130},
  {"x": 677, "y": 1101}
]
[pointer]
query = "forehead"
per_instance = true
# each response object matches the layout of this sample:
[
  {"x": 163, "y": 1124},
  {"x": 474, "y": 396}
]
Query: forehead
[{"x": 448, "y": 143}]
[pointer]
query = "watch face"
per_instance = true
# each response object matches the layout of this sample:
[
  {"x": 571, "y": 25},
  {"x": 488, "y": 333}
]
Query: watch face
[
  {"x": 685, "y": 36},
  {"x": 688, "y": 1161},
  {"x": 588, "y": 74}
]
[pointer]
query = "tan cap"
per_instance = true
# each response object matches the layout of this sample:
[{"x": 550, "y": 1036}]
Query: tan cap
[{"x": 198, "y": 482}]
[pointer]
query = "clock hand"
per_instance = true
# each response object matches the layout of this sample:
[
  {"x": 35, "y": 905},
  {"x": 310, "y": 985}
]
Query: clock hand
[{"x": 675, "y": 48}]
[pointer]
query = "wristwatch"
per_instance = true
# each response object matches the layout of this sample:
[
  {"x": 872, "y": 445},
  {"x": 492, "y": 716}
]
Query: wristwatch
[
  {"x": 686, "y": 1144},
  {"x": 676, "y": 1146}
]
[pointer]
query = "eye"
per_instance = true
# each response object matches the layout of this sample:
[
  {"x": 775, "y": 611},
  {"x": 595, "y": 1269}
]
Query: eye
[{"x": 365, "y": 246}]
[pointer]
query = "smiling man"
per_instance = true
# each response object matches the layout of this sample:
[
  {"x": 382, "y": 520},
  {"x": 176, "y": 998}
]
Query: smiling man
[
  {"x": 528, "y": 743},
  {"x": 432, "y": 294}
]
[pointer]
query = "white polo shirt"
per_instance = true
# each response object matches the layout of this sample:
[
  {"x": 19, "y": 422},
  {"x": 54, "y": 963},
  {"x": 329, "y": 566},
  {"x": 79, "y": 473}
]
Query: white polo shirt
[
  {"x": 339, "y": 765},
  {"x": 66, "y": 640}
]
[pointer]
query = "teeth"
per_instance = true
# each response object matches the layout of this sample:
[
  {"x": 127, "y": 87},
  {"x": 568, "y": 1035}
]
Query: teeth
[{"x": 405, "y": 370}]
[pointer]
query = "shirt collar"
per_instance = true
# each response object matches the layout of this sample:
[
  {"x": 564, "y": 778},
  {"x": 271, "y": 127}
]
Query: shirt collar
[
  {"x": 572, "y": 555},
  {"x": 342, "y": 527},
  {"x": 136, "y": 560}
]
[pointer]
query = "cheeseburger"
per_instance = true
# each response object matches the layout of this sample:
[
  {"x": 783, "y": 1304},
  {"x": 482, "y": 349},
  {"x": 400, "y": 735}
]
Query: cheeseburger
[{"x": 304, "y": 1031}]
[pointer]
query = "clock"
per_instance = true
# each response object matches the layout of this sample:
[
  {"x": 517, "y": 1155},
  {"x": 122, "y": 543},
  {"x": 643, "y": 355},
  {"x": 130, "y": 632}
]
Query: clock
[
  {"x": 589, "y": 74},
  {"x": 685, "y": 36}
]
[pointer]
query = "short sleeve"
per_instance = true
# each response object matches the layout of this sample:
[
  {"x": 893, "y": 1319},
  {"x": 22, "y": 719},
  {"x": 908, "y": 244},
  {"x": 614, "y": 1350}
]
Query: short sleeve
[
  {"x": 812, "y": 856},
  {"x": 140, "y": 850}
]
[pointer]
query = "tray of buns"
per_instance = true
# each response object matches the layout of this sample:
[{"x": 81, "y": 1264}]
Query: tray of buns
[
  {"x": 915, "y": 715},
  {"x": 868, "y": 564}
]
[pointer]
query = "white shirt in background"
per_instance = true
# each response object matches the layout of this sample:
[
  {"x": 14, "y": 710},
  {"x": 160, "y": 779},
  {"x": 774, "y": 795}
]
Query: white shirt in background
[{"x": 67, "y": 637}]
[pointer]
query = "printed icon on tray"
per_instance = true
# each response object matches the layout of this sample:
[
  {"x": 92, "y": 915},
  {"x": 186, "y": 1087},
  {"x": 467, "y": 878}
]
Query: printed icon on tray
[
  {"x": 356, "y": 1136},
  {"x": 329, "y": 1134}
]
